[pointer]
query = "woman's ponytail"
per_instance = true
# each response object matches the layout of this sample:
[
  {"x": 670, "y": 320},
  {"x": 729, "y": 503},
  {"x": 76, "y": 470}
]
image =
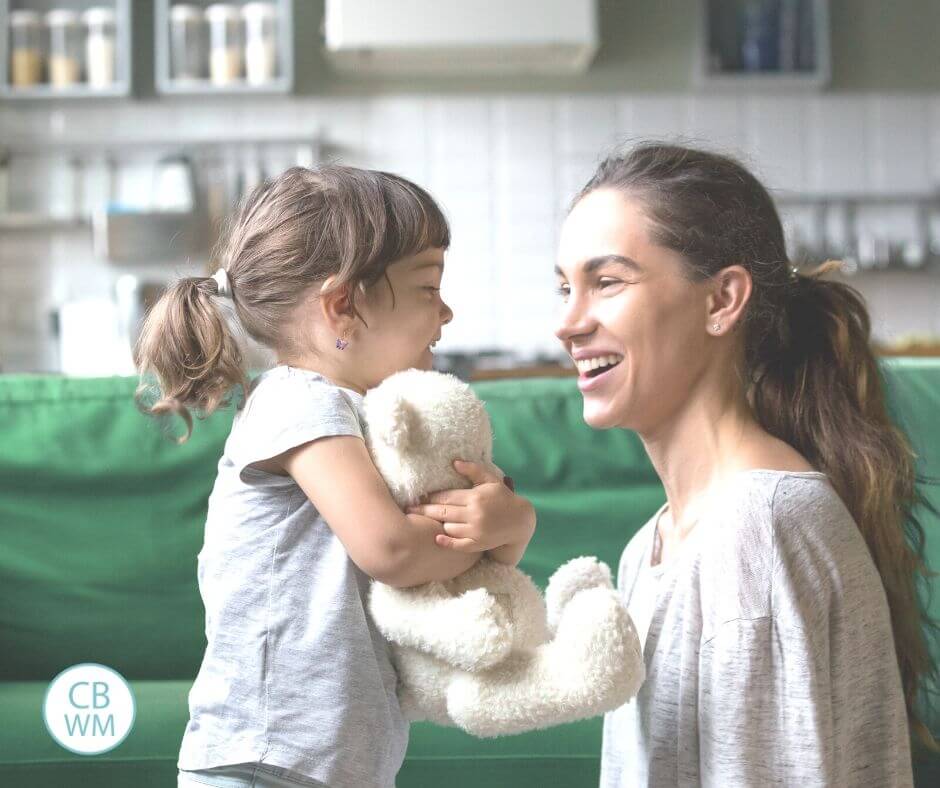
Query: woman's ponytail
[
  {"x": 186, "y": 345},
  {"x": 818, "y": 387}
]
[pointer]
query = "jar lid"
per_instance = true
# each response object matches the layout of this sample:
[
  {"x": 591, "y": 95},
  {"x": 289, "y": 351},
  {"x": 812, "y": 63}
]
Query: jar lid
[
  {"x": 259, "y": 11},
  {"x": 223, "y": 12},
  {"x": 99, "y": 15},
  {"x": 60, "y": 17},
  {"x": 185, "y": 13},
  {"x": 25, "y": 17}
]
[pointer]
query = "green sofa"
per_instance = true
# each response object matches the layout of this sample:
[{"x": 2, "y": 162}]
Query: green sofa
[{"x": 101, "y": 517}]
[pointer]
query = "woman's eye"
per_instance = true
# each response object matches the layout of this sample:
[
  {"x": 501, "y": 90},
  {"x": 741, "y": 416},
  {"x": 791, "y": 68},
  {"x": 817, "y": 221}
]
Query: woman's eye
[
  {"x": 563, "y": 290},
  {"x": 607, "y": 282}
]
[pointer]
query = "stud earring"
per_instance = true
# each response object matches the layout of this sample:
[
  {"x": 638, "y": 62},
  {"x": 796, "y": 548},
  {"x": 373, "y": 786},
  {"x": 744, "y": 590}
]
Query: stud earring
[
  {"x": 717, "y": 327},
  {"x": 341, "y": 344}
]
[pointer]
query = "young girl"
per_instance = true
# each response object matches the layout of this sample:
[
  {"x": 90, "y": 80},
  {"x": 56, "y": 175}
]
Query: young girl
[{"x": 338, "y": 271}]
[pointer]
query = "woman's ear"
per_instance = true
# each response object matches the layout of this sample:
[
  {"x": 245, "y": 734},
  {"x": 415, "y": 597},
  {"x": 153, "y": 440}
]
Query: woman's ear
[
  {"x": 336, "y": 307},
  {"x": 729, "y": 293}
]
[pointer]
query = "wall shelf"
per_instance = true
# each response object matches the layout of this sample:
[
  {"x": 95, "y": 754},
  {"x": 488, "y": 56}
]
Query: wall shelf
[
  {"x": 283, "y": 81},
  {"x": 776, "y": 45},
  {"x": 43, "y": 91},
  {"x": 40, "y": 222}
]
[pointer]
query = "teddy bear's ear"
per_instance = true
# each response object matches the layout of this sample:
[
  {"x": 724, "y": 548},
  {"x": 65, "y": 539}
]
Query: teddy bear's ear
[{"x": 401, "y": 427}]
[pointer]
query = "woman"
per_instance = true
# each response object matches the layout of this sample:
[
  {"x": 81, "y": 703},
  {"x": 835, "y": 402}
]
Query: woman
[{"x": 775, "y": 589}]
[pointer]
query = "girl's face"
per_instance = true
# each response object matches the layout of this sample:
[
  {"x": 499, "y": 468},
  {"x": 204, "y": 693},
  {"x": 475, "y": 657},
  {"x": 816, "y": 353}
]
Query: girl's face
[
  {"x": 634, "y": 325},
  {"x": 404, "y": 320}
]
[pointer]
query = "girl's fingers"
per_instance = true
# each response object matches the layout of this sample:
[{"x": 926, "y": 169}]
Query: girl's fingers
[
  {"x": 476, "y": 473},
  {"x": 445, "y": 513},
  {"x": 458, "y": 530},
  {"x": 459, "y": 497},
  {"x": 460, "y": 545}
]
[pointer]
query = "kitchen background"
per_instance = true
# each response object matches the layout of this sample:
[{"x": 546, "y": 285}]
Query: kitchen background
[{"x": 108, "y": 190}]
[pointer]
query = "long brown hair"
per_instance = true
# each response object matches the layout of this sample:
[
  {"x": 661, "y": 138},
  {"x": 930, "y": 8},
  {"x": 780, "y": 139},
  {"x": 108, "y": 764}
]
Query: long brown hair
[
  {"x": 810, "y": 374},
  {"x": 286, "y": 237}
]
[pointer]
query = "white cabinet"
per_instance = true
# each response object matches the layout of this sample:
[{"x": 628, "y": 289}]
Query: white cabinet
[{"x": 461, "y": 36}]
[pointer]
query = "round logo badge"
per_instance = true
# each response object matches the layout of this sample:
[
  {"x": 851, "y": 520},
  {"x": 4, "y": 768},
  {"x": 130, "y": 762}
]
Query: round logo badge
[{"x": 89, "y": 708}]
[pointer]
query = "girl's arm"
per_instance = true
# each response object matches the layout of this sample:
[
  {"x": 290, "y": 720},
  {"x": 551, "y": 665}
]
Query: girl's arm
[
  {"x": 489, "y": 518},
  {"x": 338, "y": 476}
]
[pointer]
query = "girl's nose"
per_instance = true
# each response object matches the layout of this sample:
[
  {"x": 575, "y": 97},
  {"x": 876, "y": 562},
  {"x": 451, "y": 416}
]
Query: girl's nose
[{"x": 447, "y": 314}]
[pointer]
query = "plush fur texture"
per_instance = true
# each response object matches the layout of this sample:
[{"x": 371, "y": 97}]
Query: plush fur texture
[{"x": 485, "y": 651}]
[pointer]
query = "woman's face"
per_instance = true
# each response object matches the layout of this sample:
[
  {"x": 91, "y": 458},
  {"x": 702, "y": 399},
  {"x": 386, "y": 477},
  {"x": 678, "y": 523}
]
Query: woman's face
[{"x": 634, "y": 325}]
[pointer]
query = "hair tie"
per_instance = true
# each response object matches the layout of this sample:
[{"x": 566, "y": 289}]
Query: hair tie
[{"x": 222, "y": 280}]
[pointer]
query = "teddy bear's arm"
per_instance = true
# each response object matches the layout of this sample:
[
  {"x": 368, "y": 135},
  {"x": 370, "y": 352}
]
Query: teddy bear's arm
[{"x": 470, "y": 631}]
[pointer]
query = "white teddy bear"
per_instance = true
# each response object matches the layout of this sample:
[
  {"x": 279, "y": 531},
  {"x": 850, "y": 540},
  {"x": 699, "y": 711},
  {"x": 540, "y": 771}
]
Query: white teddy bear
[{"x": 485, "y": 651}]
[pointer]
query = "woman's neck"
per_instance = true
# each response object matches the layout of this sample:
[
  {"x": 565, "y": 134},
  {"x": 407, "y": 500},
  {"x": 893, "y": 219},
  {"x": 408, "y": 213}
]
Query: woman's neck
[{"x": 695, "y": 452}]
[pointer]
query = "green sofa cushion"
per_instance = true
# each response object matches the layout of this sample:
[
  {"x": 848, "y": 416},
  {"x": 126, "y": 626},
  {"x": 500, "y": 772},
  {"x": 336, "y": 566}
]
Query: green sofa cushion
[
  {"x": 106, "y": 513},
  {"x": 101, "y": 517}
]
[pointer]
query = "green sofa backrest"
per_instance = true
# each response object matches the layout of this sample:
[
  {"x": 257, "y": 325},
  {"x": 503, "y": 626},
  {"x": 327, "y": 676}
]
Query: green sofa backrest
[{"x": 101, "y": 514}]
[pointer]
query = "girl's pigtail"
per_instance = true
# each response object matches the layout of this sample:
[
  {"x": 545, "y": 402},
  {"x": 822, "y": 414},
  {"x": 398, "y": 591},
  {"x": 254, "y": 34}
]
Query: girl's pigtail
[{"x": 187, "y": 346}]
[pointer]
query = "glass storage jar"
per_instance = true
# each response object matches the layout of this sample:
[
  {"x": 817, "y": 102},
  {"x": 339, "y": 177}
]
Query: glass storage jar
[
  {"x": 66, "y": 45},
  {"x": 225, "y": 43},
  {"x": 189, "y": 55},
  {"x": 25, "y": 48},
  {"x": 100, "y": 46},
  {"x": 260, "y": 42}
]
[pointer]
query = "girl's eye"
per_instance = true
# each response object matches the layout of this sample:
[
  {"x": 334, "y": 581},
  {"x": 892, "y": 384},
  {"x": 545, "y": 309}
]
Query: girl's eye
[
  {"x": 605, "y": 281},
  {"x": 563, "y": 290}
]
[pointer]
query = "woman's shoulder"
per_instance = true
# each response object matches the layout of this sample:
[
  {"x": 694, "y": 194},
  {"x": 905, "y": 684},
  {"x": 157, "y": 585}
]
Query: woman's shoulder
[
  {"x": 756, "y": 500},
  {"x": 774, "y": 523},
  {"x": 816, "y": 538}
]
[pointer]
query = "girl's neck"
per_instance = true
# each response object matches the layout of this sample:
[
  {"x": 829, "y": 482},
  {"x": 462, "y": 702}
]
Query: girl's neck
[{"x": 330, "y": 375}]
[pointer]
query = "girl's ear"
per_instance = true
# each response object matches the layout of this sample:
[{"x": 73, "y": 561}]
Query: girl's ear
[{"x": 336, "y": 307}]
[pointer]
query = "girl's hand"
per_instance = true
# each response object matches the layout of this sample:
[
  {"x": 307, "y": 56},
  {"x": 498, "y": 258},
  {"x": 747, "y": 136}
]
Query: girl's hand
[{"x": 487, "y": 517}]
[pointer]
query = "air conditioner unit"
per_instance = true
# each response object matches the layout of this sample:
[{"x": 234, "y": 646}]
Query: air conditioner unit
[{"x": 435, "y": 37}]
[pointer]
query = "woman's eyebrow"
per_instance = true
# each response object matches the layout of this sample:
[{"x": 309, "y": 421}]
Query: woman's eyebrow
[{"x": 591, "y": 265}]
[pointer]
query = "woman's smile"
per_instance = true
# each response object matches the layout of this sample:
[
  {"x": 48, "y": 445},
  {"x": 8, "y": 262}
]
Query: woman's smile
[{"x": 595, "y": 368}]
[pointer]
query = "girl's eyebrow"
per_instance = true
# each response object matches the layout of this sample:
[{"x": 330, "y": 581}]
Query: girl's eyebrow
[
  {"x": 596, "y": 262},
  {"x": 428, "y": 265}
]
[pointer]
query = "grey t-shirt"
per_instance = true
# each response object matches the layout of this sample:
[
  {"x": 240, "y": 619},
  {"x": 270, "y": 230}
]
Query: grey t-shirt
[
  {"x": 295, "y": 673},
  {"x": 769, "y": 658}
]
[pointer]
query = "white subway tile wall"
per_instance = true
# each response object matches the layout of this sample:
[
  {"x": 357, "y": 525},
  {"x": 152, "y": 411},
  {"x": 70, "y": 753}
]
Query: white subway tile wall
[{"x": 505, "y": 168}]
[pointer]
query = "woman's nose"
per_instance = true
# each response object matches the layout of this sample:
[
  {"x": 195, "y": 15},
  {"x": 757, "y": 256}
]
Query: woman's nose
[{"x": 574, "y": 320}]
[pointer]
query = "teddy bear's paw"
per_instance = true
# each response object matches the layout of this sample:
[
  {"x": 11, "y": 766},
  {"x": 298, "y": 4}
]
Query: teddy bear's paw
[
  {"x": 482, "y": 632},
  {"x": 576, "y": 575},
  {"x": 597, "y": 639},
  {"x": 470, "y": 708}
]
